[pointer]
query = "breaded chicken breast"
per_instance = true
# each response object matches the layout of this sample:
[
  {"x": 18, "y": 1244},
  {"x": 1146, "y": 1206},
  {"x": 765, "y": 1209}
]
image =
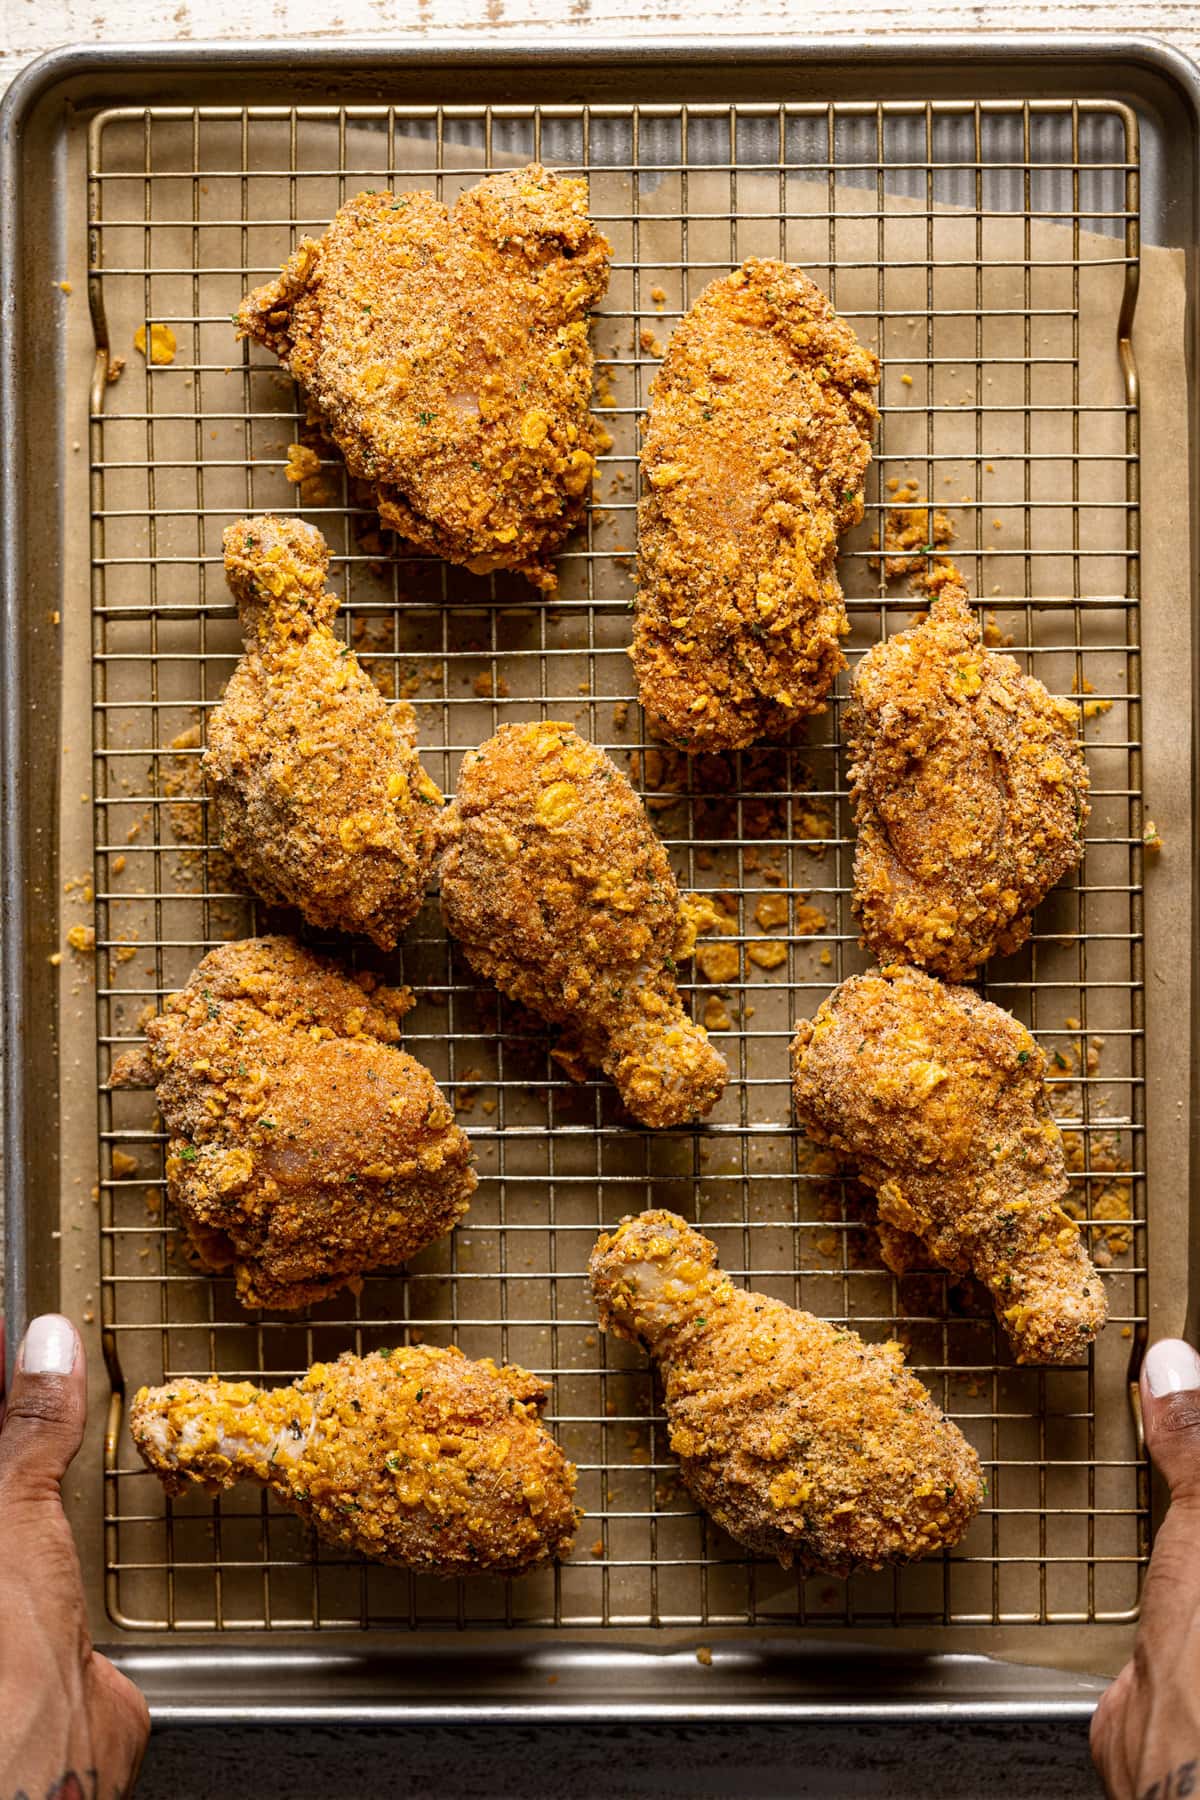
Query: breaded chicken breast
[
  {"x": 446, "y": 353},
  {"x": 416, "y": 1457},
  {"x": 320, "y": 796},
  {"x": 969, "y": 788},
  {"x": 757, "y": 444},
  {"x": 938, "y": 1098},
  {"x": 559, "y": 891},
  {"x": 799, "y": 1439},
  {"x": 304, "y": 1147}
]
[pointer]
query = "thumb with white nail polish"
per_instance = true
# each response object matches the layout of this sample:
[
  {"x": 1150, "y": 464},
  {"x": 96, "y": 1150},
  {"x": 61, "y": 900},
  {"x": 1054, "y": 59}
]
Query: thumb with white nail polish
[
  {"x": 1171, "y": 1413},
  {"x": 69, "y": 1721},
  {"x": 45, "y": 1411},
  {"x": 1146, "y": 1730}
]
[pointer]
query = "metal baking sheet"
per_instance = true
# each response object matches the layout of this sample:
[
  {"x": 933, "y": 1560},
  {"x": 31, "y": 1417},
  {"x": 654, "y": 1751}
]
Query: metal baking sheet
[{"x": 180, "y": 181}]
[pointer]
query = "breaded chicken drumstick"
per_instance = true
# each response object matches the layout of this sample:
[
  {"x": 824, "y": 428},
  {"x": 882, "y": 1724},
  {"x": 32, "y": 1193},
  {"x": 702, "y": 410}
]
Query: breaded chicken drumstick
[
  {"x": 416, "y": 1457},
  {"x": 304, "y": 1147},
  {"x": 938, "y": 1097},
  {"x": 446, "y": 353},
  {"x": 969, "y": 788},
  {"x": 320, "y": 796},
  {"x": 799, "y": 1439},
  {"x": 757, "y": 444},
  {"x": 558, "y": 889}
]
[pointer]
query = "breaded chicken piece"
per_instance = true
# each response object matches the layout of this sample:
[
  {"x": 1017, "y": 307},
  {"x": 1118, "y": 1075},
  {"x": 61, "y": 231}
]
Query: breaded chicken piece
[
  {"x": 446, "y": 353},
  {"x": 799, "y": 1439},
  {"x": 320, "y": 796},
  {"x": 969, "y": 787},
  {"x": 938, "y": 1097},
  {"x": 305, "y": 1148},
  {"x": 415, "y": 1457},
  {"x": 556, "y": 885},
  {"x": 757, "y": 444}
]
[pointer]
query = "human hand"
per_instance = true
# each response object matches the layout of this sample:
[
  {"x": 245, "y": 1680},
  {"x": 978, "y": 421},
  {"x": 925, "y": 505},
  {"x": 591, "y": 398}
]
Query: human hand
[
  {"x": 71, "y": 1726},
  {"x": 1146, "y": 1730}
]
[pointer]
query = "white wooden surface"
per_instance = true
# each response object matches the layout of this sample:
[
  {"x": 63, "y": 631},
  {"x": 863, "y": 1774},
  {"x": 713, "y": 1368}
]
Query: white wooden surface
[{"x": 28, "y": 27}]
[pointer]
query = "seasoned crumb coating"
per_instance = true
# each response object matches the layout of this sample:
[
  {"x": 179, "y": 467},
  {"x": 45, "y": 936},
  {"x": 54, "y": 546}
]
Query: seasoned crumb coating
[
  {"x": 560, "y": 892},
  {"x": 416, "y": 1457},
  {"x": 969, "y": 787},
  {"x": 320, "y": 796},
  {"x": 446, "y": 352},
  {"x": 757, "y": 444},
  {"x": 938, "y": 1097},
  {"x": 799, "y": 1439},
  {"x": 304, "y": 1147}
]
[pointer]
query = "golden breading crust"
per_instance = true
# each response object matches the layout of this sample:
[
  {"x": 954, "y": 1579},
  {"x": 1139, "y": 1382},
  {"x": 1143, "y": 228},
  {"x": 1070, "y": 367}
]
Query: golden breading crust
[
  {"x": 969, "y": 788},
  {"x": 560, "y": 892},
  {"x": 938, "y": 1097},
  {"x": 320, "y": 796},
  {"x": 757, "y": 444},
  {"x": 415, "y": 1457},
  {"x": 447, "y": 354},
  {"x": 305, "y": 1148},
  {"x": 801, "y": 1441}
]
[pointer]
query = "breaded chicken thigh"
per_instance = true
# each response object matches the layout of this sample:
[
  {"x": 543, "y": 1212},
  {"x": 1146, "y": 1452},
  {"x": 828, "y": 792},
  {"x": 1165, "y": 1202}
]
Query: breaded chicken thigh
[
  {"x": 320, "y": 796},
  {"x": 446, "y": 353},
  {"x": 558, "y": 889},
  {"x": 304, "y": 1147},
  {"x": 938, "y": 1097},
  {"x": 757, "y": 444},
  {"x": 969, "y": 787},
  {"x": 799, "y": 1439},
  {"x": 415, "y": 1457}
]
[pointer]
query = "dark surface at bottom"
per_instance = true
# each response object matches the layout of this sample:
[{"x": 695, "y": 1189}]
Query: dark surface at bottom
[{"x": 571, "y": 1762}]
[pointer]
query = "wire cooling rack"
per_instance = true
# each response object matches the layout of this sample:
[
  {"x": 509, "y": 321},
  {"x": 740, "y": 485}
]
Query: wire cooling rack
[{"x": 989, "y": 251}]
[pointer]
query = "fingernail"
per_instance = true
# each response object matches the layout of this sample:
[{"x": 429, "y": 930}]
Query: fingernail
[
  {"x": 50, "y": 1346},
  {"x": 1172, "y": 1367}
]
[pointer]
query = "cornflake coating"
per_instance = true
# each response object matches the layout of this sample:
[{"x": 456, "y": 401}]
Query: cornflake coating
[
  {"x": 757, "y": 444},
  {"x": 416, "y": 1457},
  {"x": 799, "y": 1439},
  {"x": 446, "y": 351},
  {"x": 304, "y": 1147},
  {"x": 320, "y": 796},
  {"x": 969, "y": 788},
  {"x": 559, "y": 890},
  {"x": 938, "y": 1097}
]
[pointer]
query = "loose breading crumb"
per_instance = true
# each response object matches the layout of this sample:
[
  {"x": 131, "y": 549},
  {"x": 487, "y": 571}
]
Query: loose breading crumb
[
  {"x": 719, "y": 963},
  {"x": 715, "y": 1016},
  {"x": 302, "y": 464},
  {"x": 162, "y": 343},
  {"x": 771, "y": 910}
]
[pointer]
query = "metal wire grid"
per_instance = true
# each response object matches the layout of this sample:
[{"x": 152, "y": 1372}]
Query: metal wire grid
[{"x": 907, "y": 215}]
